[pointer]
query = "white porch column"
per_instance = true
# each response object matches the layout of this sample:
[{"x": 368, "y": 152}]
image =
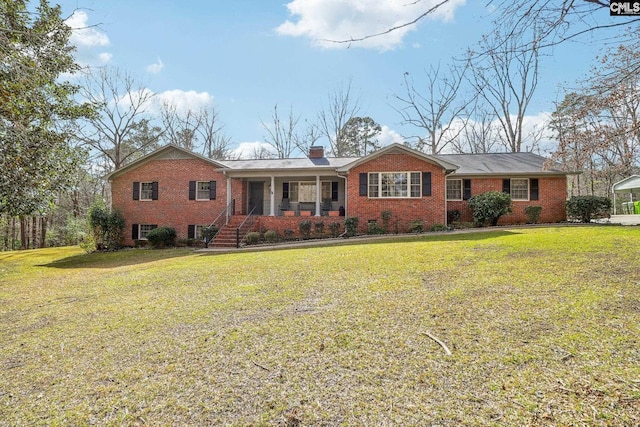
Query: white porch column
[
  {"x": 318, "y": 195},
  {"x": 272, "y": 197},
  {"x": 229, "y": 199}
]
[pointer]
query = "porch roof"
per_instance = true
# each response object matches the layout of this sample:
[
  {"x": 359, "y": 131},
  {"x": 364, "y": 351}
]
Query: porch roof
[{"x": 299, "y": 166}]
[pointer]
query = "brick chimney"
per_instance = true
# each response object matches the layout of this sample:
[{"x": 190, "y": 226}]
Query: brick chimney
[{"x": 316, "y": 152}]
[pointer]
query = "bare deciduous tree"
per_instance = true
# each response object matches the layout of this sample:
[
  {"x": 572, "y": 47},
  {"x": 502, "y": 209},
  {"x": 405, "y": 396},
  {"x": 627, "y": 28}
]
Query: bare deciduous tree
[
  {"x": 479, "y": 134},
  {"x": 434, "y": 110},
  {"x": 282, "y": 133},
  {"x": 122, "y": 130},
  {"x": 505, "y": 79},
  {"x": 331, "y": 120},
  {"x": 215, "y": 144}
]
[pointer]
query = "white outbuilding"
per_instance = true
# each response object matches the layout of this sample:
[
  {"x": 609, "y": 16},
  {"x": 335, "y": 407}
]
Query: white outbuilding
[{"x": 629, "y": 192}]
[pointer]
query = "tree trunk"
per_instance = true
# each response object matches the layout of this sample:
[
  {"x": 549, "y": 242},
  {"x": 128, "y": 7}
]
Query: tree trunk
[
  {"x": 5, "y": 235},
  {"x": 34, "y": 232},
  {"x": 43, "y": 232},
  {"x": 24, "y": 235},
  {"x": 13, "y": 233}
]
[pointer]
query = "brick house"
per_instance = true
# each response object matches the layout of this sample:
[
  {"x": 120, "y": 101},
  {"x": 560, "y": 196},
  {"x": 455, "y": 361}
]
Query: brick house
[{"x": 177, "y": 188}]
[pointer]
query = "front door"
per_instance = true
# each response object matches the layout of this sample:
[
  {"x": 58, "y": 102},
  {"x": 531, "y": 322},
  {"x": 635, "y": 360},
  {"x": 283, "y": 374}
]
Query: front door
[{"x": 256, "y": 197}]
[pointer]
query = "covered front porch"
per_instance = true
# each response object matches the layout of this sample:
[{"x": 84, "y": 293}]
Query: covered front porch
[
  {"x": 287, "y": 187},
  {"x": 300, "y": 195}
]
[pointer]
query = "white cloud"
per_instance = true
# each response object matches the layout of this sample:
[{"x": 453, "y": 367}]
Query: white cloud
[
  {"x": 388, "y": 136},
  {"x": 249, "y": 150},
  {"x": 156, "y": 67},
  {"x": 184, "y": 100},
  {"x": 87, "y": 38},
  {"x": 104, "y": 57},
  {"x": 83, "y": 34},
  {"x": 327, "y": 21}
]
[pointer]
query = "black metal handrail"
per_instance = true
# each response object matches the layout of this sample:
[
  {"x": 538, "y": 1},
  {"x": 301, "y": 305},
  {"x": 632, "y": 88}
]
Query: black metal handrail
[
  {"x": 230, "y": 207},
  {"x": 250, "y": 215}
]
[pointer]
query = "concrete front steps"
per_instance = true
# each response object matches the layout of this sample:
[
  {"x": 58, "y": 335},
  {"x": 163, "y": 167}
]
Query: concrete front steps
[{"x": 227, "y": 236}]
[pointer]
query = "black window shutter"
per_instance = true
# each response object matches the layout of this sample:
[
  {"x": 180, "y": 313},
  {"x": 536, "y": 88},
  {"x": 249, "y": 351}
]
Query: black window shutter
[
  {"x": 466, "y": 189},
  {"x": 134, "y": 232},
  {"x": 364, "y": 183},
  {"x": 334, "y": 190},
  {"x": 534, "y": 190},
  {"x": 154, "y": 190},
  {"x": 136, "y": 191},
  {"x": 192, "y": 190},
  {"x": 506, "y": 186},
  {"x": 285, "y": 190},
  {"x": 426, "y": 183},
  {"x": 191, "y": 231},
  {"x": 212, "y": 190}
]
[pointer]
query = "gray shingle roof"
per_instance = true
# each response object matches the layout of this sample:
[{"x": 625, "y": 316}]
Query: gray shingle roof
[
  {"x": 275, "y": 164},
  {"x": 500, "y": 164}
]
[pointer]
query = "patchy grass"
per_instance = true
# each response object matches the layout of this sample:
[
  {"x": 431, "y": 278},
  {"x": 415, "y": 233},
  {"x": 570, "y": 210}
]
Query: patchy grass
[{"x": 543, "y": 324}]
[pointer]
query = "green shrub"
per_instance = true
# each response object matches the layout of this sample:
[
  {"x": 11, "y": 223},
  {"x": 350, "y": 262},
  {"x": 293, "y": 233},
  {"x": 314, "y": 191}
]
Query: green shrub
[
  {"x": 351, "y": 225},
  {"x": 334, "y": 229},
  {"x": 162, "y": 237},
  {"x": 319, "y": 228},
  {"x": 586, "y": 208},
  {"x": 271, "y": 236},
  {"x": 253, "y": 237},
  {"x": 288, "y": 234},
  {"x": 533, "y": 214},
  {"x": 488, "y": 207},
  {"x": 374, "y": 228},
  {"x": 208, "y": 233},
  {"x": 107, "y": 226},
  {"x": 305, "y": 229},
  {"x": 438, "y": 227},
  {"x": 416, "y": 226}
]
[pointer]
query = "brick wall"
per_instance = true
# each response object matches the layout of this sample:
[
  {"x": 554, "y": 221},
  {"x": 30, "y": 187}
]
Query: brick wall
[
  {"x": 430, "y": 209},
  {"x": 552, "y": 197},
  {"x": 173, "y": 207}
]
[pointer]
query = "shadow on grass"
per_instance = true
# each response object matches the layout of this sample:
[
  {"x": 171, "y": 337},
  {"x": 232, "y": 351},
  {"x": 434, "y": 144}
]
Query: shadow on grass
[
  {"x": 123, "y": 258},
  {"x": 463, "y": 235}
]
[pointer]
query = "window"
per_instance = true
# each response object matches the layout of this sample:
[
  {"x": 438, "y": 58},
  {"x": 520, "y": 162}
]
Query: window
[
  {"x": 196, "y": 231},
  {"x": 395, "y": 184},
  {"x": 144, "y": 230},
  {"x": 305, "y": 191},
  {"x": 145, "y": 190},
  {"x": 202, "y": 190},
  {"x": 519, "y": 189},
  {"x": 454, "y": 189}
]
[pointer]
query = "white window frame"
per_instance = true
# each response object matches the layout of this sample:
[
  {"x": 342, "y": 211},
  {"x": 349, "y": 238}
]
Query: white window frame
[
  {"x": 308, "y": 190},
  {"x": 378, "y": 189},
  {"x": 512, "y": 186},
  {"x": 142, "y": 235},
  {"x": 198, "y": 190},
  {"x": 148, "y": 191},
  {"x": 460, "y": 189}
]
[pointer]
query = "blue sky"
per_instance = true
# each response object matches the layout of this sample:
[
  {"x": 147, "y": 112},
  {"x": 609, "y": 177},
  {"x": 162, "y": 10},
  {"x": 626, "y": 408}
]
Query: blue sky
[{"x": 243, "y": 57}]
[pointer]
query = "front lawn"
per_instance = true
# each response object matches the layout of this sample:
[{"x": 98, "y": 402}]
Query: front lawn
[{"x": 543, "y": 325}]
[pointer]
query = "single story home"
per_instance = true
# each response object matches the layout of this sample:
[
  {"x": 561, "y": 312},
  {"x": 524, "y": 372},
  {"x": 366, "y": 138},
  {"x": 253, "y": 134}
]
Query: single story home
[{"x": 176, "y": 188}]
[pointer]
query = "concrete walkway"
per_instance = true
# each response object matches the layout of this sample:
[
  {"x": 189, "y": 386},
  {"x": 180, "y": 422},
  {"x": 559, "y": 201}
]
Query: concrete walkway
[{"x": 621, "y": 219}]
